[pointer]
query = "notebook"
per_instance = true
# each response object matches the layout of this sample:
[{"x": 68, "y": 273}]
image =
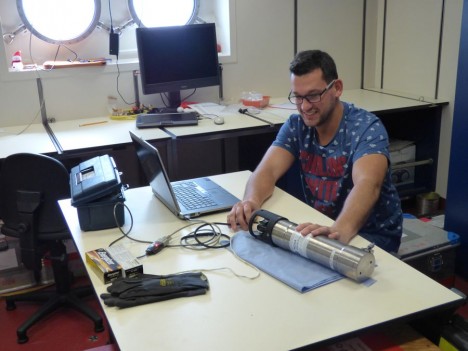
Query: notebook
[
  {"x": 186, "y": 199},
  {"x": 152, "y": 120}
]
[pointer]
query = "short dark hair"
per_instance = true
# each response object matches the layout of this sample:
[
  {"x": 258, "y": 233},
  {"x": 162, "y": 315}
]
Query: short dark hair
[{"x": 309, "y": 60}]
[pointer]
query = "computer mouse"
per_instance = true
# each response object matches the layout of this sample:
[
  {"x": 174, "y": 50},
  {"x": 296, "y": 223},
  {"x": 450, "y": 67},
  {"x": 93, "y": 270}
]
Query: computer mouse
[{"x": 218, "y": 120}]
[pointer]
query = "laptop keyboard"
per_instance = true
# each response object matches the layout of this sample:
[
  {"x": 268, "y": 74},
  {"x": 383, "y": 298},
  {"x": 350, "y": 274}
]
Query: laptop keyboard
[{"x": 188, "y": 196}]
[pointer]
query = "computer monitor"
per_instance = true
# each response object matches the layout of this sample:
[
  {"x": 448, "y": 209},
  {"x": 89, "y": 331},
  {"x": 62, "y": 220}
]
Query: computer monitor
[{"x": 177, "y": 58}]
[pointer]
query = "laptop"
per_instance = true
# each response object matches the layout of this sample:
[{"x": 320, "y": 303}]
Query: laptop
[
  {"x": 186, "y": 199},
  {"x": 156, "y": 120}
]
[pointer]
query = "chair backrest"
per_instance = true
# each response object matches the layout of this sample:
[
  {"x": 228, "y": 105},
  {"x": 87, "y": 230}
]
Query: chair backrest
[{"x": 32, "y": 184}]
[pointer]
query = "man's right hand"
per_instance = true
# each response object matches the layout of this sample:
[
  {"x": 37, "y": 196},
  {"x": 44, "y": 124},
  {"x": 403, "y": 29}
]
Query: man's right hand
[{"x": 240, "y": 215}]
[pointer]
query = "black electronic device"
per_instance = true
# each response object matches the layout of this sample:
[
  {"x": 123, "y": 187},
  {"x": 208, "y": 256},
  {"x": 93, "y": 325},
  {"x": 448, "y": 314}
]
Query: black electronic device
[
  {"x": 152, "y": 120},
  {"x": 177, "y": 58},
  {"x": 114, "y": 43},
  {"x": 97, "y": 191}
]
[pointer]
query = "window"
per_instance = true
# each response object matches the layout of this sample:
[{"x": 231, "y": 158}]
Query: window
[
  {"x": 159, "y": 13},
  {"x": 60, "y": 21}
]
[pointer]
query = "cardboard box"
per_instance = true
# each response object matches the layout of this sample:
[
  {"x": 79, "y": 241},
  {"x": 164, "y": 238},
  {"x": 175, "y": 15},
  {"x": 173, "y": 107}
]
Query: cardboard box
[
  {"x": 401, "y": 152},
  {"x": 130, "y": 265},
  {"x": 103, "y": 265},
  {"x": 112, "y": 263}
]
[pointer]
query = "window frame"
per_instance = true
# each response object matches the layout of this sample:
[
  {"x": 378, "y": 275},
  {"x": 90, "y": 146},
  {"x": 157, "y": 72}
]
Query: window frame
[{"x": 91, "y": 27}]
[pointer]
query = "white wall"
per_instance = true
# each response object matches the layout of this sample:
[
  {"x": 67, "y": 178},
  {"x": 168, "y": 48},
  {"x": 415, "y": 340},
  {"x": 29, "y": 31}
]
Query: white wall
[
  {"x": 411, "y": 46},
  {"x": 334, "y": 26},
  {"x": 264, "y": 34},
  {"x": 265, "y": 46}
]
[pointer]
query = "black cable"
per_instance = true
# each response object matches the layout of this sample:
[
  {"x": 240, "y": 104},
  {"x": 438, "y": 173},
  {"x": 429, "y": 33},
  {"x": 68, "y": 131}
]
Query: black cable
[
  {"x": 110, "y": 14},
  {"x": 214, "y": 238},
  {"x": 116, "y": 55},
  {"x": 125, "y": 234},
  {"x": 118, "y": 76},
  {"x": 202, "y": 244},
  {"x": 163, "y": 95}
]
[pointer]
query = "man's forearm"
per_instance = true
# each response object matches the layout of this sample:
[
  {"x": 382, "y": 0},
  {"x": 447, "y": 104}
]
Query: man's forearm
[
  {"x": 259, "y": 188},
  {"x": 356, "y": 210}
]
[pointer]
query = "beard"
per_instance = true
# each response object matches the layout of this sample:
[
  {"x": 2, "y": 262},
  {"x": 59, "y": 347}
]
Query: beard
[{"x": 315, "y": 117}]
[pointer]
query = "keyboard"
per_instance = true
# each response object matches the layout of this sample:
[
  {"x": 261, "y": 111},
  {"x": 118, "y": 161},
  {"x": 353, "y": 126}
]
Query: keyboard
[
  {"x": 188, "y": 196},
  {"x": 163, "y": 110},
  {"x": 148, "y": 120}
]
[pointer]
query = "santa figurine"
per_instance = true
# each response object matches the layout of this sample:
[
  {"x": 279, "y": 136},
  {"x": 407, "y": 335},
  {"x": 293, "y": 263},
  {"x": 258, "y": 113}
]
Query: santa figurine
[{"x": 16, "y": 61}]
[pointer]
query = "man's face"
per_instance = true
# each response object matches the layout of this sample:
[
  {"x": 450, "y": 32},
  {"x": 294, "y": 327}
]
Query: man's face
[{"x": 311, "y": 86}]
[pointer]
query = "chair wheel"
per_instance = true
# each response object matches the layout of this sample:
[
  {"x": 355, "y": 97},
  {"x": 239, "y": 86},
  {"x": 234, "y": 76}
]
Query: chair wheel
[
  {"x": 10, "y": 305},
  {"x": 22, "y": 337},
  {"x": 98, "y": 327}
]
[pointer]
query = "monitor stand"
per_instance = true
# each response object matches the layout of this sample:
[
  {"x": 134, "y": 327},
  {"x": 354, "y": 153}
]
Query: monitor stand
[{"x": 174, "y": 99}]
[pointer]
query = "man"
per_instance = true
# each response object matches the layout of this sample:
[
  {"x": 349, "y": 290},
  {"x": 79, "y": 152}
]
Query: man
[{"x": 344, "y": 161}]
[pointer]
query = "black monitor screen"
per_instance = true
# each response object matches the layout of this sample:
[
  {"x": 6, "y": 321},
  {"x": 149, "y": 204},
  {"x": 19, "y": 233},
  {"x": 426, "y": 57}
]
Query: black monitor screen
[{"x": 177, "y": 58}]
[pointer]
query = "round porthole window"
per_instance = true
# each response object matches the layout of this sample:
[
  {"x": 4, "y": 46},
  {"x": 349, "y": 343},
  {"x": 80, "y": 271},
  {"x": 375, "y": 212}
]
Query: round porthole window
[
  {"x": 60, "y": 21},
  {"x": 160, "y": 13}
]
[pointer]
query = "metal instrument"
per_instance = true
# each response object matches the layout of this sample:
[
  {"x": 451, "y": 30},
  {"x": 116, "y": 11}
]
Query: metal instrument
[{"x": 352, "y": 262}]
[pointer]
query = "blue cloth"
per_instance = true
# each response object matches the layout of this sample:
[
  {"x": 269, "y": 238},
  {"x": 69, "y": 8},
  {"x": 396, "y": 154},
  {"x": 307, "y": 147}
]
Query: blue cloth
[
  {"x": 296, "y": 271},
  {"x": 326, "y": 171}
]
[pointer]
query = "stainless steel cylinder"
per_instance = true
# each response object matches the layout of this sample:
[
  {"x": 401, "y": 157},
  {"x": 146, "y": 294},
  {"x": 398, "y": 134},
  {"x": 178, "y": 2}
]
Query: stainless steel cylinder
[{"x": 357, "y": 264}]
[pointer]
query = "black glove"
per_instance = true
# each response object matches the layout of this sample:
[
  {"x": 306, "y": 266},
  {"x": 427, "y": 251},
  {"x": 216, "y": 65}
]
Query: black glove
[{"x": 147, "y": 288}]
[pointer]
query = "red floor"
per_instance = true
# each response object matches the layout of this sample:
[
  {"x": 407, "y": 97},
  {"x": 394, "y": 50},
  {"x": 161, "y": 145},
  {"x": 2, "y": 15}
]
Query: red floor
[{"x": 65, "y": 329}]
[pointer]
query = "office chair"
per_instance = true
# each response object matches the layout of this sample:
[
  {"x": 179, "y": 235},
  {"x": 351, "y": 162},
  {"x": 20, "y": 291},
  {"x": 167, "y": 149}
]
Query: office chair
[{"x": 30, "y": 185}]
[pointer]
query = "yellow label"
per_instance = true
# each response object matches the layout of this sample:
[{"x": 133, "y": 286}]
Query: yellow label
[{"x": 444, "y": 345}]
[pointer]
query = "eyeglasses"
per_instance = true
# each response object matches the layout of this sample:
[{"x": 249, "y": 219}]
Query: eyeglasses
[{"x": 311, "y": 98}]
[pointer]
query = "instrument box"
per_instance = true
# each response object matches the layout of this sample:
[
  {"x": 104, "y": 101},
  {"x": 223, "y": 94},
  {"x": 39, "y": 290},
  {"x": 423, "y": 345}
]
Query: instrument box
[
  {"x": 402, "y": 154},
  {"x": 98, "y": 194},
  {"x": 429, "y": 249}
]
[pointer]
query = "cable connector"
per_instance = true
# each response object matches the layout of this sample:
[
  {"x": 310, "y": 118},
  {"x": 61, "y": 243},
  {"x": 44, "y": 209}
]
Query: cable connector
[{"x": 157, "y": 246}]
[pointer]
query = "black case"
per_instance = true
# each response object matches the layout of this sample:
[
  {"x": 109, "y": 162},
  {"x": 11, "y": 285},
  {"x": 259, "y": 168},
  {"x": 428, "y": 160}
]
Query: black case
[{"x": 96, "y": 189}]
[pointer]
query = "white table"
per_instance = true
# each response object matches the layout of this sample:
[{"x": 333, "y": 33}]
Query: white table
[
  {"x": 32, "y": 138},
  {"x": 100, "y": 132},
  {"x": 242, "y": 314}
]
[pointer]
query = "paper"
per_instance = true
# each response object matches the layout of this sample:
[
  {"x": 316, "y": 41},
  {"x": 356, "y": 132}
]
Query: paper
[{"x": 208, "y": 109}]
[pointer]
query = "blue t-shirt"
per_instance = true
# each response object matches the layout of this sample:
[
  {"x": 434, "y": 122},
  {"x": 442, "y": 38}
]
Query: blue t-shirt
[{"x": 326, "y": 171}]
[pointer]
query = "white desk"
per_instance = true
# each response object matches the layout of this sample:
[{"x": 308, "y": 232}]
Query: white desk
[
  {"x": 31, "y": 138},
  {"x": 91, "y": 133},
  {"x": 233, "y": 121},
  {"x": 73, "y": 137},
  {"x": 375, "y": 101},
  {"x": 262, "y": 314}
]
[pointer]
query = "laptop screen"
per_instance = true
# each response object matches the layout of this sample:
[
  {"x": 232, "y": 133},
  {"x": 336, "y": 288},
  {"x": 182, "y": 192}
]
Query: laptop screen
[{"x": 154, "y": 171}]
